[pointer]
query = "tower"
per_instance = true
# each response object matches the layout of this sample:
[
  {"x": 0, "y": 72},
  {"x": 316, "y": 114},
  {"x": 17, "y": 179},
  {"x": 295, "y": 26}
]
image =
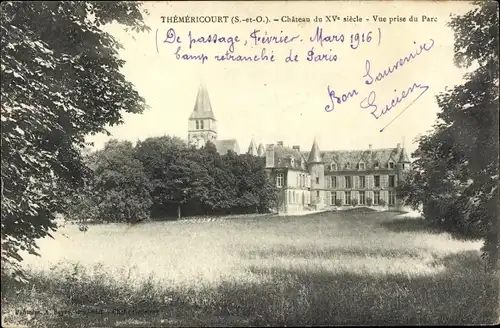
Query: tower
[
  {"x": 317, "y": 172},
  {"x": 252, "y": 149},
  {"x": 202, "y": 125}
]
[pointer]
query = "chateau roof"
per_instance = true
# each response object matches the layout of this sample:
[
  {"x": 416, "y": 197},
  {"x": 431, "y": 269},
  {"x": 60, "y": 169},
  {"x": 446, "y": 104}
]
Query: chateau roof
[
  {"x": 283, "y": 156},
  {"x": 369, "y": 157},
  {"x": 227, "y": 144},
  {"x": 202, "y": 107},
  {"x": 252, "y": 150},
  {"x": 314, "y": 155},
  {"x": 403, "y": 158}
]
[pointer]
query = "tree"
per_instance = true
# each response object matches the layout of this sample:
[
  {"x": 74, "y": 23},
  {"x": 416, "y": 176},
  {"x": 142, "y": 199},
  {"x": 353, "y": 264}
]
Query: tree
[
  {"x": 455, "y": 176},
  {"x": 61, "y": 81},
  {"x": 158, "y": 155}
]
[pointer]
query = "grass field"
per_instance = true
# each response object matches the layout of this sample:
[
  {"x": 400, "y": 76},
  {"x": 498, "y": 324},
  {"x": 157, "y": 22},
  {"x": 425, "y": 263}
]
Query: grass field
[{"x": 322, "y": 269}]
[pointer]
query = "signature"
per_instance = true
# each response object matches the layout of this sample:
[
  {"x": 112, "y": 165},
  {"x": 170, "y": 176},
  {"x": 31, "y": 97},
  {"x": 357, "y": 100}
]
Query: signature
[{"x": 369, "y": 102}]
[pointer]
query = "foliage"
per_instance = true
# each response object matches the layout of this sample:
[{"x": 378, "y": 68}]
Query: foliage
[
  {"x": 382, "y": 202},
  {"x": 369, "y": 201},
  {"x": 61, "y": 81},
  {"x": 119, "y": 190},
  {"x": 455, "y": 174},
  {"x": 189, "y": 181},
  {"x": 338, "y": 202},
  {"x": 354, "y": 202}
]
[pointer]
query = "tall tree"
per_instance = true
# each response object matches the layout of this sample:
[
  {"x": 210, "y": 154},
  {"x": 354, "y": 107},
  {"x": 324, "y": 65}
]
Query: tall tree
[
  {"x": 157, "y": 155},
  {"x": 61, "y": 81},
  {"x": 455, "y": 177}
]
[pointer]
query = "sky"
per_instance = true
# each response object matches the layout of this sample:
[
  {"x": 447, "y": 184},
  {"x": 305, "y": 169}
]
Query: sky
[{"x": 279, "y": 101}]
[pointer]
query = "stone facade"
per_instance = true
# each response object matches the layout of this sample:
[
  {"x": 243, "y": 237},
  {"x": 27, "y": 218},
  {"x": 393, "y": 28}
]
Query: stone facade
[
  {"x": 202, "y": 125},
  {"x": 313, "y": 179},
  {"x": 335, "y": 178}
]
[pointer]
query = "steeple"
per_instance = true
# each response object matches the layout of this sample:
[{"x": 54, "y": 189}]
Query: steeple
[
  {"x": 252, "y": 150},
  {"x": 261, "y": 151},
  {"x": 202, "y": 107},
  {"x": 403, "y": 157},
  {"x": 315, "y": 155},
  {"x": 202, "y": 126}
]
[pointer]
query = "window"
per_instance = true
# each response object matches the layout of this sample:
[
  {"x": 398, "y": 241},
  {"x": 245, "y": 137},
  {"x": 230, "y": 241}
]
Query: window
[
  {"x": 333, "y": 198},
  {"x": 294, "y": 198},
  {"x": 377, "y": 181},
  {"x": 348, "y": 166},
  {"x": 317, "y": 193},
  {"x": 292, "y": 162},
  {"x": 348, "y": 182},
  {"x": 375, "y": 164},
  {"x": 201, "y": 124},
  {"x": 302, "y": 164},
  {"x": 391, "y": 165},
  {"x": 361, "y": 198},
  {"x": 333, "y": 167},
  {"x": 403, "y": 166},
  {"x": 279, "y": 180},
  {"x": 348, "y": 198},
  {"x": 317, "y": 180},
  {"x": 392, "y": 181},
  {"x": 362, "y": 182},
  {"x": 197, "y": 124},
  {"x": 328, "y": 183},
  {"x": 303, "y": 180},
  {"x": 334, "y": 182},
  {"x": 392, "y": 198},
  {"x": 376, "y": 197},
  {"x": 289, "y": 196},
  {"x": 361, "y": 166}
]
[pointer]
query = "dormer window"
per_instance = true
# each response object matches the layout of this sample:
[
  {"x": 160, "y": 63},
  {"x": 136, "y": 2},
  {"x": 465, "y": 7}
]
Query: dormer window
[
  {"x": 303, "y": 164},
  {"x": 292, "y": 161},
  {"x": 348, "y": 166},
  {"x": 362, "y": 166},
  {"x": 375, "y": 165},
  {"x": 333, "y": 167},
  {"x": 391, "y": 164}
]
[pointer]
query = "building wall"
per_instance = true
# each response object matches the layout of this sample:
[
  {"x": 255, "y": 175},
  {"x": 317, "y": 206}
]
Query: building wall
[
  {"x": 317, "y": 184},
  {"x": 337, "y": 182},
  {"x": 208, "y": 133}
]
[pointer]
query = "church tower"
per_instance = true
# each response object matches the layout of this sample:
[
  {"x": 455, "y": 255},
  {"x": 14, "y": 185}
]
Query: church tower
[{"x": 202, "y": 125}]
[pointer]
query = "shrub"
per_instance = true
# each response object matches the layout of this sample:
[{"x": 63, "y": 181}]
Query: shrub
[
  {"x": 382, "y": 202},
  {"x": 338, "y": 202},
  {"x": 369, "y": 201},
  {"x": 354, "y": 202}
]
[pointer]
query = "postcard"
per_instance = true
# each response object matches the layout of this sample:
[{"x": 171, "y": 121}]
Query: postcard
[{"x": 244, "y": 163}]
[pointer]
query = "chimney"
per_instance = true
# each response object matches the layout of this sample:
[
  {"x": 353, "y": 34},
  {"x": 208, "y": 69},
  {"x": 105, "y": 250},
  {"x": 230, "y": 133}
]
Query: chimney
[
  {"x": 280, "y": 143},
  {"x": 296, "y": 148},
  {"x": 370, "y": 148}
]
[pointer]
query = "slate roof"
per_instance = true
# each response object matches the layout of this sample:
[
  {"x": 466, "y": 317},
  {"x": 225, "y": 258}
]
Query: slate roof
[
  {"x": 228, "y": 144},
  {"x": 354, "y": 157},
  {"x": 252, "y": 150},
  {"x": 314, "y": 154},
  {"x": 202, "y": 106},
  {"x": 283, "y": 156}
]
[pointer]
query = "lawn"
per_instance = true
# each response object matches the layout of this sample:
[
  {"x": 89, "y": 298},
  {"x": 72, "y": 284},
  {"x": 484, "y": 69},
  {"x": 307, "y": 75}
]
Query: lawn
[{"x": 322, "y": 269}]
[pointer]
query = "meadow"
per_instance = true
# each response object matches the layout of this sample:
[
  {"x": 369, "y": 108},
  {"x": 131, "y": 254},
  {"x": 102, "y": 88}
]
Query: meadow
[{"x": 346, "y": 268}]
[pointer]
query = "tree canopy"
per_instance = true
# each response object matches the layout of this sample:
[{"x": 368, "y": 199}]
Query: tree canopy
[
  {"x": 61, "y": 81},
  {"x": 455, "y": 175}
]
